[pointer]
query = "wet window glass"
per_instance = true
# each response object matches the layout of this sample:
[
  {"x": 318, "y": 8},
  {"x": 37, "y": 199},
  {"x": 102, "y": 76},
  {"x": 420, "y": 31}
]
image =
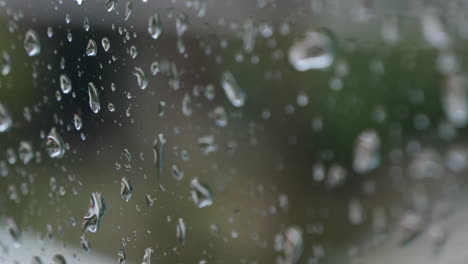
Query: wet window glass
[{"x": 233, "y": 131}]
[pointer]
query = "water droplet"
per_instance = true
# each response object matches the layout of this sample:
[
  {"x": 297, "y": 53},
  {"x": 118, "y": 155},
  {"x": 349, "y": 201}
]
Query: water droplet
[
  {"x": 105, "y": 44},
  {"x": 96, "y": 210},
  {"x": 366, "y": 152},
  {"x": 390, "y": 30},
  {"x": 5, "y": 119},
  {"x": 67, "y": 18},
  {"x": 141, "y": 78},
  {"x": 155, "y": 68},
  {"x": 125, "y": 189},
  {"x": 174, "y": 77},
  {"x": 433, "y": 29},
  {"x": 133, "y": 52},
  {"x": 128, "y": 10},
  {"x": 86, "y": 24},
  {"x": 91, "y": 48},
  {"x": 181, "y": 24},
  {"x": 455, "y": 99},
  {"x": 158, "y": 151},
  {"x": 149, "y": 199},
  {"x": 355, "y": 212},
  {"x": 187, "y": 105},
  {"x": 65, "y": 84},
  {"x": 31, "y": 43},
  {"x": 410, "y": 227},
  {"x": 110, "y": 5},
  {"x": 111, "y": 107},
  {"x": 59, "y": 259},
  {"x": 207, "y": 144},
  {"x": 121, "y": 258},
  {"x": 220, "y": 116},
  {"x": 202, "y": 4},
  {"x": 315, "y": 51},
  {"x": 177, "y": 174},
  {"x": 93, "y": 98},
  {"x": 77, "y": 121},
  {"x": 148, "y": 256},
  {"x": 36, "y": 260},
  {"x": 232, "y": 90},
  {"x": 54, "y": 144},
  {"x": 5, "y": 63},
  {"x": 25, "y": 152},
  {"x": 154, "y": 26},
  {"x": 290, "y": 243},
  {"x": 50, "y": 32},
  {"x": 161, "y": 108},
  {"x": 181, "y": 231},
  {"x": 84, "y": 243},
  {"x": 14, "y": 231},
  {"x": 202, "y": 195}
]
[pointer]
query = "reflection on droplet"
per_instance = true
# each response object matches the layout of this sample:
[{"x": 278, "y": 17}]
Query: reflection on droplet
[
  {"x": 96, "y": 210},
  {"x": 105, "y": 44},
  {"x": 181, "y": 231},
  {"x": 110, "y": 5},
  {"x": 91, "y": 48},
  {"x": 154, "y": 26},
  {"x": 5, "y": 119},
  {"x": 59, "y": 259},
  {"x": 148, "y": 256},
  {"x": 232, "y": 90},
  {"x": 455, "y": 100},
  {"x": 31, "y": 43},
  {"x": 202, "y": 195},
  {"x": 158, "y": 151},
  {"x": 315, "y": 51},
  {"x": 141, "y": 78},
  {"x": 65, "y": 84},
  {"x": 93, "y": 94},
  {"x": 125, "y": 189},
  {"x": 54, "y": 144},
  {"x": 366, "y": 152}
]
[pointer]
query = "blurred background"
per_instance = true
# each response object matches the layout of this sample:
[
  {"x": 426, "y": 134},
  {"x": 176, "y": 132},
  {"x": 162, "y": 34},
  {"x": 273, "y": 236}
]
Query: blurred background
[{"x": 201, "y": 131}]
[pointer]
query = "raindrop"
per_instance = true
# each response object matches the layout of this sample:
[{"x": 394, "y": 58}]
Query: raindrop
[
  {"x": 121, "y": 258},
  {"x": 111, "y": 107},
  {"x": 77, "y": 121},
  {"x": 181, "y": 24},
  {"x": 174, "y": 77},
  {"x": 148, "y": 256},
  {"x": 133, "y": 52},
  {"x": 25, "y": 152},
  {"x": 181, "y": 231},
  {"x": 128, "y": 10},
  {"x": 154, "y": 26},
  {"x": 177, "y": 174},
  {"x": 93, "y": 98},
  {"x": 158, "y": 151},
  {"x": 202, "y": 195},
  {"x": 390, "y": 30},
  {"x": 232, "y": 90},
  {"x": 67, "y": 18},
  {"x": 84, "y": 243},
  {"x": 291, "y": 244},
  {"x": 96, "y": 210},
  {"x": 187, "y": 105},
  {"x": 5, "y": 119},
  {"x": 14, "y": 231},
  {"x": 125, "y": 189},
  {"x": 59, "y": 259},
  {"x": 31, "y": 43},
  {"x": 141, "y": 78},
  {"x": 91, "y": 48},
  {"x": 455, "y": 99},
  {"x": 161, "y": 108},
  {"x": 86, "y": 24},
  {"x": 366, "y": 152},
  {"x": 50, "y": 32},
  {"x": 65, "y": 84},
  {"x": 105, "y": 44},
  {"x": 5, "y": 63},
  {"x": 79, "y": 2},
  {"x": 149, "y": 200},
  {"x": 355, "y": 212},
  {"x": 433, "y": 29},
  {"x": 54, "y": 144},
  {"x": 36, "y": 260},
  {"x": 315, "y": 51},
  {"x": 110, "y": 5},
  {"x": 155, "y": 68},
  {"x": 201, "y": 8},
  {"x": 220, "y": 116}
]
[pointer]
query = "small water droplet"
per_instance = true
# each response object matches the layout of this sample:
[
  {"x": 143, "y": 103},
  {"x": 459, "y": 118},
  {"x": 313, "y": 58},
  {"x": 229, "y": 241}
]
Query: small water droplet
[
  {"x": 181, "y": 24},
  {"x": 31, "y": 43},
  {"x": 455, "y": 100},
  {"x": 290, "y": 243},
  {"x": 154, "y": 26},
  {"x": 174, "y": 77},
  {"x": 158, "y": 151},
  {"x": 111, "y": 107},
  {"x": 25, "y": 152},
  {"x": 315, "y": 51},
  {"x": 59, "y": 259},
  {"x": 105, "y": 44},
  {"x": 77, "y": 121},
  {"x": 5, "y": 119},
  {"x": 141, "y": 78},
  {"x": 121, "y": 258},
  {"x": 125, "y": 189},
  {"x": 5, "y": 63},
  {"x": 91, "y": 48},
  {"x": 96, "y": 210},
  {"x": 366, "y": 152},
  {"x": 93, "y": 98},
  {"x": 86, "y": 24},
  {"x": 177, "y": 174},
  {"x": 220, "y": 116},
  {"x": 110, "y": 5},
  {"x": 54, "y": 144},
  {"x": 161, "y": 108},
  {"x": 181, "y": 231},
  {"x": 67, "y": 18},
  {"x": 147, "y": 258},
  {"x": 202, "y": 195},
  {"x": 65, "y": 84},
  {"x": 232, "y": 90},
  {"x": 187, "y": 105},
  {"x": 155, "y": 68},
  {"x": 133, "y": 52},
  {"x": 14, "y": 231},
  {"x": 128, "y": 10},
  {"x": 36, "y": 260},
  {"x": 149, "y": 200},
  {"x": 84, "y": 243}
]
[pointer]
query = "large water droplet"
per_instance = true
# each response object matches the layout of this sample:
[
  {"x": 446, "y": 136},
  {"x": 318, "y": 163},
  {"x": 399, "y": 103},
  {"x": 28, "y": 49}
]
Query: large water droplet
[
  {"x": 154, "y": 26},
  {"x": 31, "y": 43},
  {"x": 5, "y": 63},
  {"x": 65, "y": 84},
  {"x": 54, "y": 144},
  {"x": 148, "y": 256},
  {"x": 158, "y": 151},
  {"x": 232, "y": 90},
  {"x": 202, "y": 195},
  {"x": 91, "y": 48},
  {"x": 93, "y": 98},
  {"x": 125, "y": 189},
  {"x": 141, "y": 78},
  {"x": 5, "y": 119},
  {"x": 110, "y": 5},
  {"x": 181, "y": 231},
  {"x": 366, "y": 152},
  {"x": 96, "y": 210},
  {"x": 315, "y": 51}
]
